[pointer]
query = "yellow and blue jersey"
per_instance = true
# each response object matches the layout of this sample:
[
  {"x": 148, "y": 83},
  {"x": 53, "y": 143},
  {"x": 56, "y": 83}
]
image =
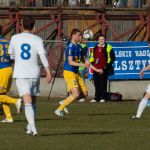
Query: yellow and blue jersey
[
  {"x": 4, "y": 57},
  {"x": 74, "y": 50}
]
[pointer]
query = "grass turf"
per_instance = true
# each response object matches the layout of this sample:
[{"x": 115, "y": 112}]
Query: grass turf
[{"x": 88, "y": 126}]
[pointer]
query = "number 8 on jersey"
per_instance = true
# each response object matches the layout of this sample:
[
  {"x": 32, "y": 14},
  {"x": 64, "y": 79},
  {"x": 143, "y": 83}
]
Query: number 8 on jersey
[{"x": 25, "y": 54}]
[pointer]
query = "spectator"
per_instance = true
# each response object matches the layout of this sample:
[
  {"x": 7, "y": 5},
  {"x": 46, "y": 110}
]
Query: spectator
[
  {"x": 60, "y": 2},
  {"x": 136, "y": 4},
  {"x": 31, "y": 3},
  {"x": 108, "y": 2},
  {"x": 73, "y": 3},
  {"x": 122, "y": 3},
  {"x": 49, "y": 3},
  {"x": 103, "y": 59}
]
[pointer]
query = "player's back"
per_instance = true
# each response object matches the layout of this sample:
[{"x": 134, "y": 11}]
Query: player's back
[{"x": 25, "y": 47}]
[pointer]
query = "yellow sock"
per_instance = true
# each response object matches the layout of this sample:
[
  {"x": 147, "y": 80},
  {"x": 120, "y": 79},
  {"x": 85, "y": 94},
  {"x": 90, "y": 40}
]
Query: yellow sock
[
  {"x": 6, "y": 108},
  {"x": 7, "y": 99},
  {"x": 66, "y": 102}
]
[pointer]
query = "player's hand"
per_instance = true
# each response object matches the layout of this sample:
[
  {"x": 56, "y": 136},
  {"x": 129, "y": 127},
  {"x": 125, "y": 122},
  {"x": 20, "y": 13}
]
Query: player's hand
[
  {"x": 141, "y": 74},
  {"x": 100, "y": 71},
  {"x": 87, "y": 63},
  {"x": 48, "y": 75},
  {"x": 48, "y": 78}
]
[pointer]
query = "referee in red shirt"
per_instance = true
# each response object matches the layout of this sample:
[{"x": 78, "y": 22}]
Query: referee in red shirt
[{"x": 103, "y": 59}]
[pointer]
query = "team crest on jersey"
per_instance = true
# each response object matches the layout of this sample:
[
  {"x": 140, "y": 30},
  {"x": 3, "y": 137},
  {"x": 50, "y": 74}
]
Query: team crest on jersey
[{"x": 75, "y": 82}]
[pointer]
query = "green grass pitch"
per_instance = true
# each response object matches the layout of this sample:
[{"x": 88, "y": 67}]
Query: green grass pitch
[{"x": 88, "y": 126}]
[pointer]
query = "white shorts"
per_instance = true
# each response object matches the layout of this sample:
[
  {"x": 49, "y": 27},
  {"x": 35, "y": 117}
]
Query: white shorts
[
  {"x": 28, "y": 86},
  {"x": 148, "y": 89}
]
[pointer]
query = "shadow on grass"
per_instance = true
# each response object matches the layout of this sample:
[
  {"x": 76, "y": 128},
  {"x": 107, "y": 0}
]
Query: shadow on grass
[
  {"x": 48, "y": 119},
  {"x": 114, "y": 114},
  {"x": 81, "y": 133},
  {"x": 43, "y": 119}
]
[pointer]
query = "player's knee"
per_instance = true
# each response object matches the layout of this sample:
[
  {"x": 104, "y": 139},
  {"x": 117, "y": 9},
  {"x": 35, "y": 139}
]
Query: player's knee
[
  {"x": 76, "y": 94},
  {"x": 85, "y": 94},
  {"x": 146, "y": 95}
]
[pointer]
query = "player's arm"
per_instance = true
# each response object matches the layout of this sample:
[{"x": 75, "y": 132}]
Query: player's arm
[
  {"x": 73, "y": 63},
  {"x": 144, "y": 69},
  {"x": 42, "y": 54},
  {"x": 46, "y": 66},
  {"x": 95, "y": 69}
]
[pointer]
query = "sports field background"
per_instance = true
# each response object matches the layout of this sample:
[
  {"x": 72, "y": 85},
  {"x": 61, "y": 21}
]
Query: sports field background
[
  {"x": 97, "y": 126},
  {"x": 130, "y": 89}
]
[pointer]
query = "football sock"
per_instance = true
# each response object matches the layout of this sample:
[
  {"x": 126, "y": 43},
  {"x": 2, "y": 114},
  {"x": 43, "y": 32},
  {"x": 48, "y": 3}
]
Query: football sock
[
  {"x": 7, "y": 99},
  {"x": 29, "y": 113},
  {"x": 141, "y": 107},
  {"x": 66, "y": 102},
  {"x": 6, "y": 108}
]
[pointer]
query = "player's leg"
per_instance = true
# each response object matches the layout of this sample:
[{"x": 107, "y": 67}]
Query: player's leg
[
  {"x": 82, "y": 87},
  {"x": 34, "y": 85},
  {"x": 75, "y": 93},
  {"x": 29, "y": 112},
  {"x": 10, "y": 100},
  {"x": 4, "y": 78},
  {"x": 5, "y": 84},
  {"x": 142, "y": 104},
  {"x": 28, "y": 130},
  {"x": 72, "y": 85},
  {"x": 24, "y": 90},
  {"x": 8, "y": 116}
]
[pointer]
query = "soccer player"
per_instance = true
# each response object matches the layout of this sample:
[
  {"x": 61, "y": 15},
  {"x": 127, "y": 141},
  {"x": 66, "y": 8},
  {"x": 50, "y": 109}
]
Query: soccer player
[
  {"x": 145, "y": 98},
  {"x": 25, "y": 48},
  {"x": 5, "y": 80},
  {"x": 74, "y": 81}
]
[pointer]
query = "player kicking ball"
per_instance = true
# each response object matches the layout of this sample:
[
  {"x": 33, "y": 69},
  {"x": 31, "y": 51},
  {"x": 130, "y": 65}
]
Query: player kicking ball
[
  {"x": 146, "y": 97},
  {"x": 25, "y": 48},
  {"x": 74, "y": 81}
]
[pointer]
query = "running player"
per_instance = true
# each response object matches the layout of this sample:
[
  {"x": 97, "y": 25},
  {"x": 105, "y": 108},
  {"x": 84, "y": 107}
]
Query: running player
[
  {"x": 5, "y": 80},
  {"x": 74, "y": 81},
  {"x": 145, "y": 98},
  {"x": 25, "y": 48}
]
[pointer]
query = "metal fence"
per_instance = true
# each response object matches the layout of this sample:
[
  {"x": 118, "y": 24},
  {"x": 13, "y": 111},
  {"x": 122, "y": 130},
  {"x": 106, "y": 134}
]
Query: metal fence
[{"x": 55, "y": 52}]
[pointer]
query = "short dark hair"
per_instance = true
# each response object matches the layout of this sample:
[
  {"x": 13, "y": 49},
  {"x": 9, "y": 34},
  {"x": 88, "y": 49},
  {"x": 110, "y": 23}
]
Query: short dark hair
[
  {"x": 102, "y": 35},
  {"x": 28, "y": 22},
  {"x": 74, "y": 31},
  {"x": 1, "y": 29}
]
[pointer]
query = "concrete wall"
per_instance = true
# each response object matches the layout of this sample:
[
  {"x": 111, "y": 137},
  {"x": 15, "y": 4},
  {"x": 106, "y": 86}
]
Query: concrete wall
[{"x": 129, "y": 89}]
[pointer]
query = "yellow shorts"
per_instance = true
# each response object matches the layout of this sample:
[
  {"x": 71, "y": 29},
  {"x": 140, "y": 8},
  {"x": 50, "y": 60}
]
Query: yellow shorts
[
  {"x": 74, "y": 80},
  {"x": 5, "y": 79}
]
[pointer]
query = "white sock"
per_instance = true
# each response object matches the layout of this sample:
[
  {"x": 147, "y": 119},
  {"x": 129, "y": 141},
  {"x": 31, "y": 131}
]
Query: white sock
[
  {"x": 141, "y": 107},
  {"x": 29, "y": 113}
]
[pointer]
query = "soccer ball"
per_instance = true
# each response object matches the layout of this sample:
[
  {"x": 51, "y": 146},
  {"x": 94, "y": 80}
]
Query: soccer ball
[{"x": 88, "y": 34}]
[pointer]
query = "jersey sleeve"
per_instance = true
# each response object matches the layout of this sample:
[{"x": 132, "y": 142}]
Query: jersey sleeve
[
  {"x": 40, "y": 47},
  {"x": 70, "y": 51}
]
